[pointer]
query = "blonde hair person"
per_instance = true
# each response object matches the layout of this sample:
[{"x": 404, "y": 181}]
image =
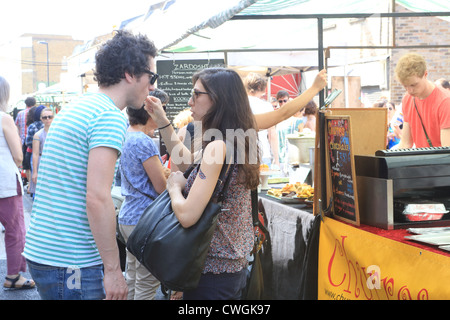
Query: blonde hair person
[
  {"x": 38, "y": 146},
  {"x": 182, "y": 118},
  {"x": 409, "y": 65}
]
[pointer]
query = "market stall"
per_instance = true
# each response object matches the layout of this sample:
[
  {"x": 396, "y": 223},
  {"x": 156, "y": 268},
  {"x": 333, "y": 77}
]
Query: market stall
[{"x": 328, "y": 251}]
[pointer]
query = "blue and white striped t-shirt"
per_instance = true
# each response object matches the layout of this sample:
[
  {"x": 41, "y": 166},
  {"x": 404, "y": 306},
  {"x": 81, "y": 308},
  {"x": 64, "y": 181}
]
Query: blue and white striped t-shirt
[{"x": 59, "y": 232}]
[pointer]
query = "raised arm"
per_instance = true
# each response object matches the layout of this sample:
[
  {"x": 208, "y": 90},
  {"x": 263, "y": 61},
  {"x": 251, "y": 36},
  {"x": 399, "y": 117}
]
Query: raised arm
[
  {"x": 269, "y": 119},
  {"x": 177, "y": 150}
]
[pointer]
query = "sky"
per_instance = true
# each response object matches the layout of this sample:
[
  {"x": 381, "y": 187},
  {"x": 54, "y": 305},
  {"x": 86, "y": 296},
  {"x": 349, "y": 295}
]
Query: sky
[{"x": 82, "y": 19}]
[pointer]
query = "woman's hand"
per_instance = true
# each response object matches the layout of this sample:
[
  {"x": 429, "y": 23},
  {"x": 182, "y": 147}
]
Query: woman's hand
[
  {"x": 176, "y": 181},
  {"x": 321, "y": 80},
  {"x": 155, "y": 110}
]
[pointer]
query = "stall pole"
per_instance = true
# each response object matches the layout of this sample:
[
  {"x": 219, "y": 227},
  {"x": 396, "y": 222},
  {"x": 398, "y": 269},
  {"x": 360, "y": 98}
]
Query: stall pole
[{"x": 323, "y": 177}]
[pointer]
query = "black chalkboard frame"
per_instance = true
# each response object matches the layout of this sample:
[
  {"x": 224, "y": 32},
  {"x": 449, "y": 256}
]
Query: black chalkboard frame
[
  {"x": 175, "y": 78},
  {"x": 332, "y": 172}
]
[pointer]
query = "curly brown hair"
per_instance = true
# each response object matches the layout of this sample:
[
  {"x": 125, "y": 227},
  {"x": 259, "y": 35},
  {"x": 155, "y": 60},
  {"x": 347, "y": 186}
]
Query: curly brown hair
[{"x": 125, "y": 52}]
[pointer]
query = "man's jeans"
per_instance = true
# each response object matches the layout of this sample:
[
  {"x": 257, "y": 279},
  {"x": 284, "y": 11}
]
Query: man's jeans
[{"x": 62, "y": 283}]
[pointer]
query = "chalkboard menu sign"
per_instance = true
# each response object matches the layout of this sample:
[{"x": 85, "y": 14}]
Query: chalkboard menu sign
[
  {"x": 175, "y": 78},
  {"x": 342, "y": 169}
]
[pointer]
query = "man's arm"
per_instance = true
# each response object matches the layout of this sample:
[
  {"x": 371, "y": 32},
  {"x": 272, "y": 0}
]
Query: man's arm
[
  {"x": 101, "y": 215},
  {"x": 445, "y": 137},
  {"x": 406, "y": 141}
]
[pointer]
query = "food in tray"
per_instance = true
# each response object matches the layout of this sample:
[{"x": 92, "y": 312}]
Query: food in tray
[
  {"x": 295, "y": 190},
  {"x": 264, "y": 167}
]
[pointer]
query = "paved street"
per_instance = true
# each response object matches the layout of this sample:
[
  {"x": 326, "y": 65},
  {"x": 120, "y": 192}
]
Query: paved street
[{"x": 31, "y": 294}]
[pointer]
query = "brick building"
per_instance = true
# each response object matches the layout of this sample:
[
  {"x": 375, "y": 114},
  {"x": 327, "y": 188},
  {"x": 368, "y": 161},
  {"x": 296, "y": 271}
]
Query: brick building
[
  {"x": 24, "y": 61},
  {"x": 430, "y": 32}
]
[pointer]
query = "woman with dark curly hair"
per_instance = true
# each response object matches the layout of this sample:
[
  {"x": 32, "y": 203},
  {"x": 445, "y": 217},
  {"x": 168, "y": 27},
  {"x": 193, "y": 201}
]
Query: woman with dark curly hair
[{"x": 71, "y": 244}]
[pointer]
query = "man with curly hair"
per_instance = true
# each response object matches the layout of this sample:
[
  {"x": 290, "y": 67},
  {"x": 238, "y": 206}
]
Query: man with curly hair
[{"x": 71, "y": 246}]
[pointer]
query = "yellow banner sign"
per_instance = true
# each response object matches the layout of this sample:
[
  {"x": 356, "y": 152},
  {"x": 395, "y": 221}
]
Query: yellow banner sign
[{"x": 359, "y": 265}]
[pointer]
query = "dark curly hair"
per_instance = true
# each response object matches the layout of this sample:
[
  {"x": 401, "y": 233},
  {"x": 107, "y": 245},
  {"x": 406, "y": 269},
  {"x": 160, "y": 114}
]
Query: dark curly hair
[
  {"x": 125, "y": 52},
  {"x": 137, "y": 116}
]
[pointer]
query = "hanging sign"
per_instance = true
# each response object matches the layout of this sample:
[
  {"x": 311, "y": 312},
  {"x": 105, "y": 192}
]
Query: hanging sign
[{"x": 175, "y": 78}]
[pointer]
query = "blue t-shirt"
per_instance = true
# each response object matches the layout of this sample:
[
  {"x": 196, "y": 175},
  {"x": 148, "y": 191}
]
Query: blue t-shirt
[{"x": 135, "y": 183}]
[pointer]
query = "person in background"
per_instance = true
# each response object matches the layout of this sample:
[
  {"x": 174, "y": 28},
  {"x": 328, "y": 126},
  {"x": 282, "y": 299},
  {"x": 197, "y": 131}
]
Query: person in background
[
  {"x": 256, "y": 85},
  {"x": 274, "y": 103},
  {"x": 310, "y": 113},
  {"x": 11, "y": 205},
  {"x": 38, "y": 145},
  {"x": 395, "y": 122},
  {"x": 282, "y": 98},
  {"x": 285, "y": 128},
  {"x": 143, "y": 179},
  {"x": 21, "y": 123},
  {"x": 26, "y": 164},
  {"x": 185, "y": 128},
  {"x": 72, "y": 231},
  {"x": 426, "y": 108},
  {"x": 443, "y": 84},
  {"x": 31, "y": 131}
]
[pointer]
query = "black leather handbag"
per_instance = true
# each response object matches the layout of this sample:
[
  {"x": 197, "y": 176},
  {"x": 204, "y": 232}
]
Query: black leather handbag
[{"x": 173, "y": 254}]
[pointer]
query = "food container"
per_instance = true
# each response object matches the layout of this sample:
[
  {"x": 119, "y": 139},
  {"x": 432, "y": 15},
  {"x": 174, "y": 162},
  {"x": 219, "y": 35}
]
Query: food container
[
  {"x": 420, "y": 210},
  {"x": 298, "y": 147}
]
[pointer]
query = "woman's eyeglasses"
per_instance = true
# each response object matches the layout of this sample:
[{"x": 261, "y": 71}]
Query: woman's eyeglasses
[
  {"x": 195, "y": 94},
  {"x": 47, "y": 117},
  {"x": 153, "y": 76}
]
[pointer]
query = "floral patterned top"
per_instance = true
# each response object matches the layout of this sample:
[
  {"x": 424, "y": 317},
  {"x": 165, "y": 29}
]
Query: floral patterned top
[{"x": 233, "y": 238}]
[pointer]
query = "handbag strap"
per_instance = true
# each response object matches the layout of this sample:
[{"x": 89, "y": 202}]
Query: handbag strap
[
  {"x": 426, "y": 135},
  {"x": 227, "y": 174},
  {"x": 255, "y": 212},
  {"x": 224, "y": 173}
]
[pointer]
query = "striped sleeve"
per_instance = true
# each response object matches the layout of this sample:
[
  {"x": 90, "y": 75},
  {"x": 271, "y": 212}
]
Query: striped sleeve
[{"x": 107, "y": 130}]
